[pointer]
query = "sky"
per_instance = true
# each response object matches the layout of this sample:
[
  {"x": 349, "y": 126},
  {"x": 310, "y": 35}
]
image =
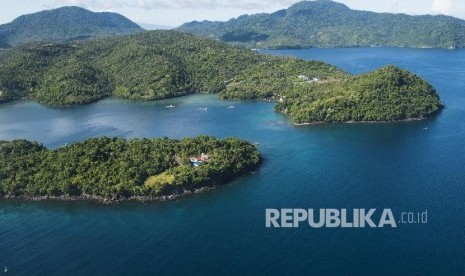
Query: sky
[{"x": 175, "y": 12}]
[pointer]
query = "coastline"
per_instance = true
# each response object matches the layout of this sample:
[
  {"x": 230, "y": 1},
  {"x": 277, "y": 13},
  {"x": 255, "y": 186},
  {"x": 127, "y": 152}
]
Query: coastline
[
  {"x": 308, "y": 47},
  {"x": 429, "y": 116},
  {"x": 115, "y": 200},
  {"x": 360, "y": 122},
  {"x": 176, "y": 180}
]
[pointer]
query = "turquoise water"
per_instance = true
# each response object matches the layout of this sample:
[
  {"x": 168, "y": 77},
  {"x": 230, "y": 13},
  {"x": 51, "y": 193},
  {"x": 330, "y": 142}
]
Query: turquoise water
[{"x": 406, "y": 167}]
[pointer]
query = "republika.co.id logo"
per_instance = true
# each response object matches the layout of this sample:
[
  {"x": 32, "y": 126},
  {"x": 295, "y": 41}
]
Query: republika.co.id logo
[{"x": 341, "y": 218}]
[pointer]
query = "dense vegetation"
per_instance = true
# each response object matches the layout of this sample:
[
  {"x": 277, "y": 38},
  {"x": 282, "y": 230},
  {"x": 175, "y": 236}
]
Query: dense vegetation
[
  {"x": 144, "y": 66},
  {"x": 113, "y": 168},
  {"x": 387, "y": 94},
  {"x": 64, "y": 24},
  {"x": 324, "y": 23},
  {"x": 162, "y": 64}
]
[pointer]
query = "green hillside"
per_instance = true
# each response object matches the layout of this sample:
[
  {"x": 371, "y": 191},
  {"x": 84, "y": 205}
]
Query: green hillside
[
  {"x": 162, "y": 64},
  {"x": 325, "y": 23},
  {"x": 387, "y": 94},
  {"x": 3, "y": 44},
  {"x": 64, "y": 24}
]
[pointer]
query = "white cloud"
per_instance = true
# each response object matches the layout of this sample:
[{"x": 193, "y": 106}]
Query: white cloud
[
  {"x": 178, "y": 4},
  {"x": 442, "y": 6},
  {"x": 105, "y": 5},
  {"x": 176, "y": 12}
]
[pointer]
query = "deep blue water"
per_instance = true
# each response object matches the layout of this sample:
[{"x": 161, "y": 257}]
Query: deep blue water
[{"x": 405, "y": 166}]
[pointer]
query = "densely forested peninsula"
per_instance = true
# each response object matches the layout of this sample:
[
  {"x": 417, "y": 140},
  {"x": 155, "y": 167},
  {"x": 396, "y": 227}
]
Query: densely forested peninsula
[
  {"x": 324, "y": 23},
  {"x": 384, "y": 95},
  {"x": 64, "y": 24},
  {"x": 162, "y": 64},
  {"x": 114, "y": 169}
]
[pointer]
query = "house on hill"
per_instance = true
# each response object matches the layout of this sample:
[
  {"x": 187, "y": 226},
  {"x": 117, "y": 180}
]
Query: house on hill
[{"x": 198, "y": 160}]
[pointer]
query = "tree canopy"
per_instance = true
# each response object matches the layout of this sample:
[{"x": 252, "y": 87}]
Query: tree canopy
[
  {"x": 115, "y": 168},
  {"x": 387, "y": 94},
  {"x": 64, "y": 24}
]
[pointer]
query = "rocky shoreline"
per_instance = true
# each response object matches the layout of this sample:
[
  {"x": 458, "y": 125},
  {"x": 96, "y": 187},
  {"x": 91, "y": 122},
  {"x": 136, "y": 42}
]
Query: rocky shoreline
[
  {"x": 360, "y": 122},
  {"x": 114, "y": 200}
]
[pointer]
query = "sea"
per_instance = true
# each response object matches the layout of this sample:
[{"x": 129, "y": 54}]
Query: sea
[{"x": 408, "y": 167}]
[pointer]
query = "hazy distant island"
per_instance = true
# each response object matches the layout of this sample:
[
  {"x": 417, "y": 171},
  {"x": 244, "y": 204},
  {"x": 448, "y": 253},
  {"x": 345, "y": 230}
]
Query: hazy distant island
[
  {"x": 155, "y": 65},
  {"x": 115, "y": 169},
  {"x": 324, "y": 23}
]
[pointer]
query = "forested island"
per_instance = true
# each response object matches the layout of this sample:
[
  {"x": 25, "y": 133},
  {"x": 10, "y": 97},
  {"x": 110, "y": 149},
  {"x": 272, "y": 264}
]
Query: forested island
[
  {"x": 156, "y": 65},
  {"x": 115, "y": 169},
  {"x": 324, "y": 23}
]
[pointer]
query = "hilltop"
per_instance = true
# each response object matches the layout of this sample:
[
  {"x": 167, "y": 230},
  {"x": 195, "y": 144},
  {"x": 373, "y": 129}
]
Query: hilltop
[
  {"x": 64, "y": 24},
  {"x": 325, "y": 23}
]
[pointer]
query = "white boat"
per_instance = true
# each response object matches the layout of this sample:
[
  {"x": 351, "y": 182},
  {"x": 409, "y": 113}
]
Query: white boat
[
  {"x": 204, "y": 108},
  {"x": 232, "y": 106},
  {"x": 170, "y": 106}
]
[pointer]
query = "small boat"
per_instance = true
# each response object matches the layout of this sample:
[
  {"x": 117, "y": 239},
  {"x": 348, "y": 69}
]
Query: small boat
[
  {"x": 425, "y": 128},
  {"x": 170, "y": 106},
  {"x": 232, "y": 106},
  {"x": 5, "y": 270},
  {"x": 204, "y": 108}
]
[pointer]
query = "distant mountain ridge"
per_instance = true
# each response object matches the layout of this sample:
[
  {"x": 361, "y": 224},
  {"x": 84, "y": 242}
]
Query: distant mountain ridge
[
  {"x": 324, "y": 23},
  {"x": 64, "y": 24}
]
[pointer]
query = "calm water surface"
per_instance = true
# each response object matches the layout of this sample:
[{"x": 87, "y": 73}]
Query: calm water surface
[{"x": 405, "y": 167}]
